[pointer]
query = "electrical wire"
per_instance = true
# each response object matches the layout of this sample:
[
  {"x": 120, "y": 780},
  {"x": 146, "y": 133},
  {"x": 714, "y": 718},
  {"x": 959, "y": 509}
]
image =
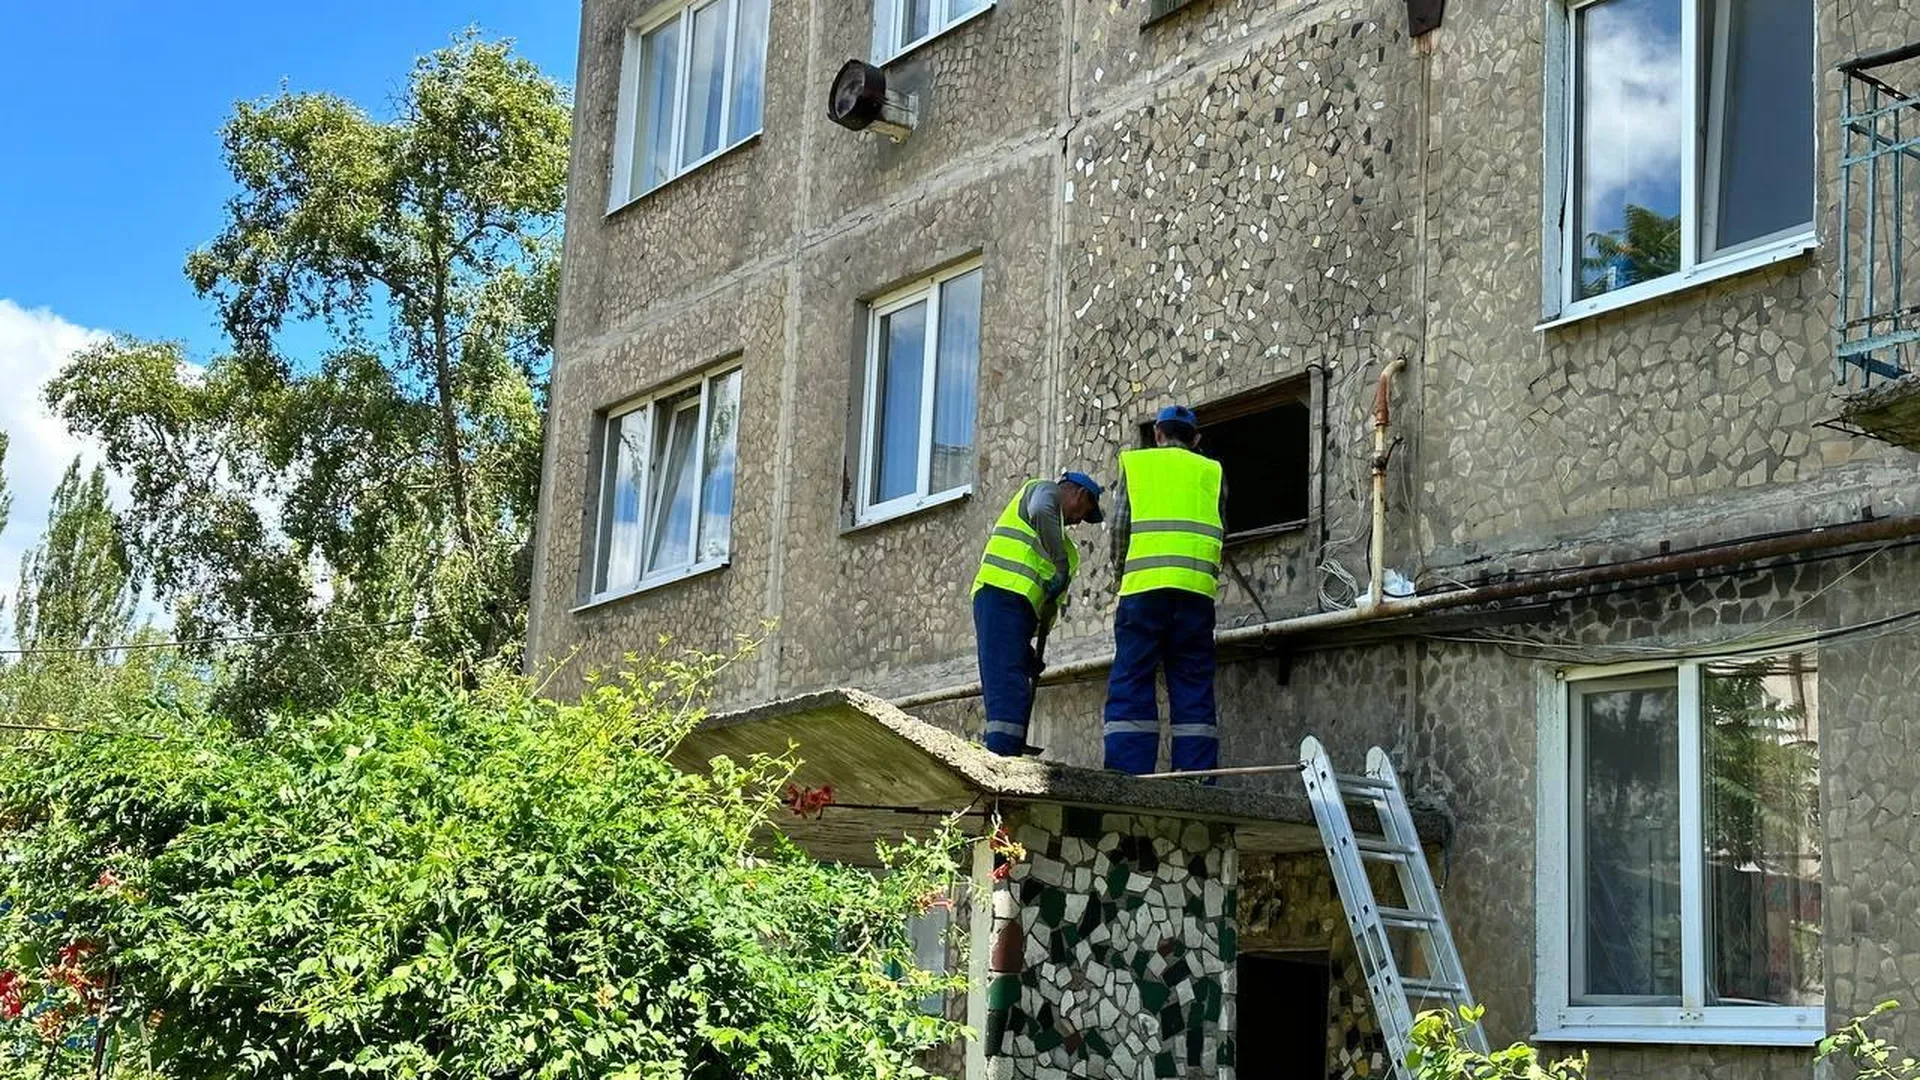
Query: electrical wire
[
  {"x": 1870, "y": 630},
  {"x": 225, "y": 639}
]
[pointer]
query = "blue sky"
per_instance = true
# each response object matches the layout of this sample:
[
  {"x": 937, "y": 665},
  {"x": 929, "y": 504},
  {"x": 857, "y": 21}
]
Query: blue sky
[{"x": 110, "y": 169}]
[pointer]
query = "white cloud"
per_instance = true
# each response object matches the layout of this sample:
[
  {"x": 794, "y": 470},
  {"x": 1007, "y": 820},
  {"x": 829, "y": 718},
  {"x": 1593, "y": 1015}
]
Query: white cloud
[
  {"x": 1631, "y": 113},
  {"x": 34, "y": 346}
]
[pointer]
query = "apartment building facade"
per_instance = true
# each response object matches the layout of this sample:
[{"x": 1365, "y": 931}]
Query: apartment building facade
[{"x": 1619, "y": 248}]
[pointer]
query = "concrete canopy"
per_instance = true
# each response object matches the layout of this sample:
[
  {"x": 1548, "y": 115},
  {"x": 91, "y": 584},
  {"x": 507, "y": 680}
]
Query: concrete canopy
[{"x": 893, "y": 775}]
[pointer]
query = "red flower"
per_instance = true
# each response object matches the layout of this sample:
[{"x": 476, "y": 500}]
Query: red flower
[
  {"x": 108, "y": 880},
  {"x": 12, "y": 995},
  {"x": 805, "y": 801}
]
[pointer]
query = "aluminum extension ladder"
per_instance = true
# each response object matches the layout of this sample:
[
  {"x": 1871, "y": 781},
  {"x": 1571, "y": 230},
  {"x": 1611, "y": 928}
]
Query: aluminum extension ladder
[{"x": 1393, "y": 994}]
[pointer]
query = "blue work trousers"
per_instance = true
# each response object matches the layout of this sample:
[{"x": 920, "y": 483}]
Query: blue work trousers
[
  {"x": 1171, "y": 629},
  {"x": 1004, "y": 625}
]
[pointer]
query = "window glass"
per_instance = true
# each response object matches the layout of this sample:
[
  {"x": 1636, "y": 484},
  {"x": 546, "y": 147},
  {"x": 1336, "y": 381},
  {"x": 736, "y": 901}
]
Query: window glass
[
  {"x": 626, "y": 453},
  {"x": 716, "y": 497},
  {"x": 1628, "y": 862},
  {"x": 706, "y": 80},
  {"x": 916, "y": 19},
  {"x": 929, "y": 933},
  {"x": 896, "y": 437},
  {"x": 673, "y": 486},
  {"x": 1629, "y": 137},
  {"x": 1759, "y": 91},
  {"x": 957, "y": 365},
  {"x": 659, "y": 89},
  {"x": 749, "y": 70},
  {"x": 1761, "y": 813}
]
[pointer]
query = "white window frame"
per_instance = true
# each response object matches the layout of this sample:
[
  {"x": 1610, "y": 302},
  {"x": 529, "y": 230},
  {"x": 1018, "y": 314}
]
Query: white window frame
[
  {"x": 1692, "y": 1022},
  {"x": 889, "y": 26},
  {"x": 598, "y": 593},
  {"x": 926, "y": 290},
  {"x": 629, "y": 124},
  {"x": 1698, "y": 165}
]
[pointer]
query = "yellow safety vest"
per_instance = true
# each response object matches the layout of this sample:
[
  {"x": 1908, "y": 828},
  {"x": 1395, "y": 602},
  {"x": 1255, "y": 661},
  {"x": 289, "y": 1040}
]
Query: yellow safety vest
[
  {"x": 1175, "y": 531},
  {"x": 1014, "y": 560}
]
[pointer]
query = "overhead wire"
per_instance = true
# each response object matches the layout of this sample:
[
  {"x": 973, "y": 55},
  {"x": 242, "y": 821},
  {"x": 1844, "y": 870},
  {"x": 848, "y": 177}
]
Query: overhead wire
[{"x": 221, "y": 639}]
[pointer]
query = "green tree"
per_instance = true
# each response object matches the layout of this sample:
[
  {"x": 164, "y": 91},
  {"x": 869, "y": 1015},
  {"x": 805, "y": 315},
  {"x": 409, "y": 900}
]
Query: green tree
[
  {"x": 400, "y": 469},
  {"x": 1647, "y": 246},
  {"x": 445, "y": 881},
  {"x": 6, "y": 497},
  {"x": 76, "y": 585}
]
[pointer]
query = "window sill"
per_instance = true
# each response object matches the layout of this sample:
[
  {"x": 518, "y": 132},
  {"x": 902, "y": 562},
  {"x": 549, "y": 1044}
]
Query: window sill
[
  {"x": 908, "y": 510},
  {"x": 686, "y": 172},
  {"x": 1683, "y": 1036},
  {"x": 909, "y": 50},
  {"x": 1744, "y": 262},
  {"x": 658, "y": 581},
  {"x": 1265, "y": 532}
]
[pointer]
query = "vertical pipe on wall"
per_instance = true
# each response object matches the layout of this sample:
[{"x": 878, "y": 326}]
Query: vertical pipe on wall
[{"x": 1382, "y": 419}]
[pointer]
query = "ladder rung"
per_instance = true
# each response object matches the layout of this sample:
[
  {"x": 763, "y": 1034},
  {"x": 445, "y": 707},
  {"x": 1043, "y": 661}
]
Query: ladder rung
[
  {"x": 1412, "y": 920},
  {"x": 1386, "y": 850},
  {"x": 1428, "y": 988},
  {"x": 1361, "y": 783}
]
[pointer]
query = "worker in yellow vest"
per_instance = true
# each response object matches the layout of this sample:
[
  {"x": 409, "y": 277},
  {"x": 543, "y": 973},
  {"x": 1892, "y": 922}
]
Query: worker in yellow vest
[
  {"x": 1169, "y": 520},
  {"x": 1019, "y": 591}
]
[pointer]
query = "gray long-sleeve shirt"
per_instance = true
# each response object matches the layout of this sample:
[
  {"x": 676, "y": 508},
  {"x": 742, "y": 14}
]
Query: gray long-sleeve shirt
[
  {"x": 1120, "y": 522},
  {"x": 1041, "y": 509}
]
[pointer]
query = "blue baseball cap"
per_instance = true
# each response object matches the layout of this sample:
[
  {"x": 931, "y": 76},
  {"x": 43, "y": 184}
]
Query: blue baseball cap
[
  {"x": 1096, "y": 515},
  {"x": 1177, "y": 414}
]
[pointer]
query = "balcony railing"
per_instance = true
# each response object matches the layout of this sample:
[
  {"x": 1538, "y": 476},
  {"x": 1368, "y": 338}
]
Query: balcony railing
[{"x": 1878, "y": 322}]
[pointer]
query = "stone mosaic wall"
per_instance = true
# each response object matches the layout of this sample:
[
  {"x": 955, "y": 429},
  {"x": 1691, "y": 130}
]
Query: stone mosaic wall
[
  {"x": 1128, "y": 925},
  {"x": 1241, "y": 193}
]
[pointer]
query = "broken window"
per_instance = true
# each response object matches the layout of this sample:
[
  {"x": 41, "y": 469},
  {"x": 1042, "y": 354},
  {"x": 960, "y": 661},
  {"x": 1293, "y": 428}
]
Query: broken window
[
  {"x": 1683, "y": 853},
  {"x": 1263, "y": 441}
]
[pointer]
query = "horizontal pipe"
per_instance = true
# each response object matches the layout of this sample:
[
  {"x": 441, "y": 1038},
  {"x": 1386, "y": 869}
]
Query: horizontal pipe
[
  {"x": 1822, "y": 538},
  {"x": 1237, "y": 770},
  {"x": 1881, "y": 59}
]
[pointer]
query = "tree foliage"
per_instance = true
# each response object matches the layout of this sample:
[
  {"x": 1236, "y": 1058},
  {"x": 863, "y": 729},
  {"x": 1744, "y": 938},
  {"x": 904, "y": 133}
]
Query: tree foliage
[
  {"x": 76, "y": 585},
  {"x": 467, "y": 882},
  {"x": 390, "y": 482},
  {"x": 1646, "y": 247}
]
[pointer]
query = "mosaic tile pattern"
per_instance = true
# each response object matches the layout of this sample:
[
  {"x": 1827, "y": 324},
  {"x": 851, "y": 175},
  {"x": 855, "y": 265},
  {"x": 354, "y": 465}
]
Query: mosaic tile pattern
[{"x": 1129, "y": 934}]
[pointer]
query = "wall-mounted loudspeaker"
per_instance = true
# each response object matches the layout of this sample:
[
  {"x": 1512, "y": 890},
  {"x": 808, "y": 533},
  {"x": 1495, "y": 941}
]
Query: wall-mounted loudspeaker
[{"x": 860, "y": 101}]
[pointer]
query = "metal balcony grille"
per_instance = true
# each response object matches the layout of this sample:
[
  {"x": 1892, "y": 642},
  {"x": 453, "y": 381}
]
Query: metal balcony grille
[{"x": 1879, "y": 314}]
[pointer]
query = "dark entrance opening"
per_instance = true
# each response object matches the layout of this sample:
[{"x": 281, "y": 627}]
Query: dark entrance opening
[{"x": 1280, "y": 1016}]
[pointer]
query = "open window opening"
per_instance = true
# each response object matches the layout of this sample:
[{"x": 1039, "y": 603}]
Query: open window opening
[{"x": 1263, "y": 440}]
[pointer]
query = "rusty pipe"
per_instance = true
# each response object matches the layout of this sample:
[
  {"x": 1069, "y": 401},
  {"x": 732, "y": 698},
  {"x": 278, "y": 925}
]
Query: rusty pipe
[
  {"x": 1530, "y": 586},
  {"x": 1382, "y": 420}
]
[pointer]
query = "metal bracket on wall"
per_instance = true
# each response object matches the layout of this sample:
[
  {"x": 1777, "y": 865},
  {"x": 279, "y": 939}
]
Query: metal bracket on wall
[{"x": 1423, "y": 16}]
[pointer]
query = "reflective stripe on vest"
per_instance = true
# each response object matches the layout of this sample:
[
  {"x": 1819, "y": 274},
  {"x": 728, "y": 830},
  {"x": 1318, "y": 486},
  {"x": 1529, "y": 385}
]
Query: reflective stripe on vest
[
  {"x": 1014, "y": 560},
  {"x": 1174, "y": 539}
]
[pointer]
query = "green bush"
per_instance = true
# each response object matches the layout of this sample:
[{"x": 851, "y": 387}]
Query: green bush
[
  {"x": 1873, "y": 1058},
  {"x": 446, "y": 882},
  {"x": 1440, "y": 1052}
]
